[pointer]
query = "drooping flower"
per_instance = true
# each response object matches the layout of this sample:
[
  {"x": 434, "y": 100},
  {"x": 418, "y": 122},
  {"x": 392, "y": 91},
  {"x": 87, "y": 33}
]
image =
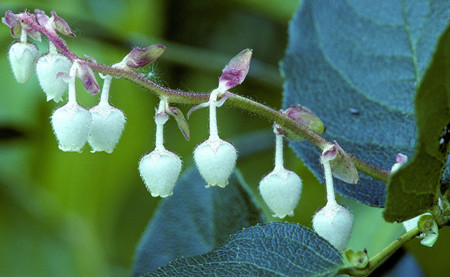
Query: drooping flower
[
  {"x": 160, "y": 168},
  {"x": 71, "y": 124},
  {"x": 281, "y": 189},
  {"x": 108, "y": 122},
  {"x": 22, "y": 57},
  {"x": 215, "y": 160},
  {"x": 47, "y": 68},
  {"x": 334, "y": 223}
]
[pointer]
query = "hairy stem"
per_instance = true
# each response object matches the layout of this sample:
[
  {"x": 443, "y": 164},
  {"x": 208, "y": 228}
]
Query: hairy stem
[
  {"x": 159, "y": 140},
  {"x": 279, "y": 160},
  {"x": 331, "y": 197},
  {"x": 213, "y": 131},
  {"x": 181, "y": 97}
]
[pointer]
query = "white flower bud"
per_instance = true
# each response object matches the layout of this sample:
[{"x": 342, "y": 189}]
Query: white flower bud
[
  {"x": 23, "y": 56},
  {"x": 215, "y": 160},
  {"x": 334, "y": 223},
  {"x": 107, "y": 127},
  {"x": 400, "y": 161},
  {"x": 159, "y": 171},
  {"x": 47, "y": 68},
  {"x": 281, "y": 190},
  {"x": 71, "y": 124}
]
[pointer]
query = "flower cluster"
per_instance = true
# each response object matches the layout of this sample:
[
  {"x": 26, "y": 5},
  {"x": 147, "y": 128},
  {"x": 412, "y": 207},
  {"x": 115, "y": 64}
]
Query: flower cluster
[
  {"x": 102, "y": 126},
  {"x": 215, "y": 158}
]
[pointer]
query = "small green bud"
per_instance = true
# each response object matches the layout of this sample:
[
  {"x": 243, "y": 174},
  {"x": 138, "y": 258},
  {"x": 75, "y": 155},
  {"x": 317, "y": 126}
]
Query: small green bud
[
  {"x": 428, "y": 226},
  {"x": 358, "y": 259},
  {"x": 304, "y": 116}
]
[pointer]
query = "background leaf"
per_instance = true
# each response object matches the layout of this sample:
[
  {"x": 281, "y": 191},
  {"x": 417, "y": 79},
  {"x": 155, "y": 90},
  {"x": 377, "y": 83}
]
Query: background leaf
[
  {"x": 195, "y": 220},
  {"x": 276, "y": 249},
  {"x": 415, "y": 188},
  {"x": 366, "y": 56}
]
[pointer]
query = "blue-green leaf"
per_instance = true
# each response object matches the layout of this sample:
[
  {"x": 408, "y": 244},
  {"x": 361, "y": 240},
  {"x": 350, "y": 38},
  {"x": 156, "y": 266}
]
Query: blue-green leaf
[
  {"x": 195, "y": 220},
  {"x": 357, "y": 64},
  {"x": 276, "y": 249}
]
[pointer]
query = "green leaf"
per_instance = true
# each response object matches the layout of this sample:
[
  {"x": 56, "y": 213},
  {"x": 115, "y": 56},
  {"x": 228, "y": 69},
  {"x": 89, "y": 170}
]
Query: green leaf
[
  {"x": 195, "y": 220},
  {"x": 357, "y": 67},
  {"x": 415, "y": 188},
  {"x": 276, "y": 249}
]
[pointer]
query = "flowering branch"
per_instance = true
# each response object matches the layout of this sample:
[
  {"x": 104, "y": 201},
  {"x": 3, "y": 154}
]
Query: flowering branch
[{"x": 34, "y": 23}]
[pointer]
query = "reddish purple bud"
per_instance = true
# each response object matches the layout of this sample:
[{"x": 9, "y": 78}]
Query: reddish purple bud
[
  {"x": 236, "y": 70},
  {"x": 16, "y": 24},
  {"x": 41, "y": 17},
  {"x": 341, "y": 164},
  {"x": 13, "y": 23},
  {"x": 401, "y": 158},
  {"x": 61, "y": 26},
  {"x": 139, "y": 57},
  {"x": 181, "y": 121},
  {"x": 86, "y": 76},
  {"x": 329, "y": 153},
  {"x": 303, "y": 116}
]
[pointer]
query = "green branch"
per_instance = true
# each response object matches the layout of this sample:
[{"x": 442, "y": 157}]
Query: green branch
[{"x": 380, "y": 257}]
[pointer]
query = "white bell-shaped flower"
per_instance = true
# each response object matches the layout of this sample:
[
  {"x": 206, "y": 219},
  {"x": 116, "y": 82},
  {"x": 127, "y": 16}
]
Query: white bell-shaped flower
[
  {"x": 281, "y": 190},
  {"x": 334, "y": 223},
  {"x": 23, "y": 56},
  {"x": 215, "y": 160},
  {"x": 71, "y": 124},
  {"x": 47, "y": 68},
  {"x": 159, "y": 171},
  {"x": 108, "y": 123}
]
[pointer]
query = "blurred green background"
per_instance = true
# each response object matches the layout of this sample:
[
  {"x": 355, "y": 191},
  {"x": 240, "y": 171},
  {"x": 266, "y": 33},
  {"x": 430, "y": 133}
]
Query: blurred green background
[{"x": 71, "y": 214}]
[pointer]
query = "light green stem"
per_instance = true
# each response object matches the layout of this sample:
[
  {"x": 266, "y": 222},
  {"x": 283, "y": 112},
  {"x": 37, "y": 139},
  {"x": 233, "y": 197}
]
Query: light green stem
[
  {"x": 380, "y": 257},
  {"x": 213, "y": 131},
  {"x": 279, "y": 160},
  {"x": 331, "y": 197},
  {"x": 159, "y": 139}
]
